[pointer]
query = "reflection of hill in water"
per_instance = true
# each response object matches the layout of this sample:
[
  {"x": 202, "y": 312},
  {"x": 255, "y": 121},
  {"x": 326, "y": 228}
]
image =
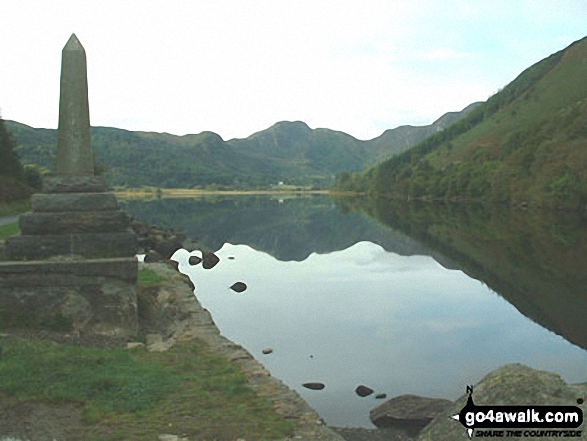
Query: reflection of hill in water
[
  {"x": 536, "y": 261},
  {"x": 288, "y": 230}
]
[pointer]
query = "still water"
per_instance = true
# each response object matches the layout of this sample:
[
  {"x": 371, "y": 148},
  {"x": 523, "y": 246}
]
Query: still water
[{"x": 353, "y": 299}]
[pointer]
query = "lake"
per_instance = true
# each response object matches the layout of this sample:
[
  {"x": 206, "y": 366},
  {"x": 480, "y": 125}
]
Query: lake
[{"x": 403, "y": 298}]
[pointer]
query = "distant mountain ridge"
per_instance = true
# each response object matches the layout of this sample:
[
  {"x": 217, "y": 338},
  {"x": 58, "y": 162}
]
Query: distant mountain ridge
[
  {"x": 289, "y": 152},
  {"x": 405, "y": 137}
]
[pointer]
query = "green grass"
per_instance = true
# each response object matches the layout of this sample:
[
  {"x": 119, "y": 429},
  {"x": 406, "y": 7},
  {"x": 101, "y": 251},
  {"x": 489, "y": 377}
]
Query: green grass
[
  {"x": 9, "y": 230},
  {"x": 112, "y": 380},
  {"x": 135, "y": 395},
  {"x": 148, "y": 277}
]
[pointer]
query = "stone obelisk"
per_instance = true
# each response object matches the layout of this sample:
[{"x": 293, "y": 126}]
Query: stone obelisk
[
  {"x": 76, "y": 257},
  {"x": 74, "y": 149}
]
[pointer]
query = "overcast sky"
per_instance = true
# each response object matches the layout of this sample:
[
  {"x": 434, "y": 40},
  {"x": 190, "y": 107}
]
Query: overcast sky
[{"x": 238, "y": 67}]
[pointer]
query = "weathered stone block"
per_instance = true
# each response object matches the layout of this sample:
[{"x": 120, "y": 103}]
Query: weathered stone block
[
  {"x": 74, "y": 222},
  {"x": 124, "y": 269},
  {"x": 97, "y": 295},
  {"x": 74, "y": 184},
  {"x": 102, "y": 245},
  {"x": 74, "y": 202}
]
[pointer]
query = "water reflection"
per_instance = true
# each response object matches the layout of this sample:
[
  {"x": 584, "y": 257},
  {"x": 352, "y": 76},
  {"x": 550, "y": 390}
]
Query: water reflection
[
  {"x": 356, "y": 298},
  {"x": 536, "y": 261}
]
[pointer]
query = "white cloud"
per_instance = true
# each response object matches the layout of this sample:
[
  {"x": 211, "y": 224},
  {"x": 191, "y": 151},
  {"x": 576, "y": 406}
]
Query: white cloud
[{"x": 237, "y": 67}]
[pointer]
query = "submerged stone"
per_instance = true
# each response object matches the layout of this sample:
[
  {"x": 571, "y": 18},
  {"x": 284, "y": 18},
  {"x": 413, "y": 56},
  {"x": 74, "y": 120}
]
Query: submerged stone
[
  {"x": 363, "y": 391},
  {"x": 210, "y": 260},
  {"x": 314, "y": 386},
  {"x": 408, "y": 410},
  {"x": 239, "y": 287},
  {"x": 194, "y": 260}
]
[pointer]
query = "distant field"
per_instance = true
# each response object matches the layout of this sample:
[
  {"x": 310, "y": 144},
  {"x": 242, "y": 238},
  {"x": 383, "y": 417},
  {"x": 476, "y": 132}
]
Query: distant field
[{"x": 186, "y": 193}]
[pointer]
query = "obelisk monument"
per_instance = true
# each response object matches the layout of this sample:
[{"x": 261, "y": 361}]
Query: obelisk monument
[
  {"x": 75, "y": 259},
  {"x": 74, "y": 149}
]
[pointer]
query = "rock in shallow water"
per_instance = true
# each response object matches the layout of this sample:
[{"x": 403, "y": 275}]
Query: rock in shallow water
[
  {"x": 510, "y": 385},
  {"x": 239, "y": 287},
  {"x": 210, "y": 260},
  {"x": 363, "y": 391},
  {"x": 194, "y": 260},
  {"x": 408, "y": 410},
  {"x": 314, "y": 386}
]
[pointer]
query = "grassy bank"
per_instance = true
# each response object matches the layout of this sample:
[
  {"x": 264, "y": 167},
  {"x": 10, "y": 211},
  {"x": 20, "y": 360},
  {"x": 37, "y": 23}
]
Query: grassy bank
[
  {"x": 9, "y": 230},
  {"x": 114, "y": 393},
  {"x": 136, "y": 395}
]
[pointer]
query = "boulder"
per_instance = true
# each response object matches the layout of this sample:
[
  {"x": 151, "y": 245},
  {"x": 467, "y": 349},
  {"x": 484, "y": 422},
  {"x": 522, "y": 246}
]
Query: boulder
[
  {"x": 363, "y": 391},
  {"x": 210, "y": 260},
  {"x": 194, "y": 260},
  {"x": 513, "y": 384},
  {"x": 153, "y": 256},
  {"x": 408, "y": 411},
  {"x": 239, "y": 287},
  {"x": 166, "y": 247},
  {"x": 314, "y": 386}
]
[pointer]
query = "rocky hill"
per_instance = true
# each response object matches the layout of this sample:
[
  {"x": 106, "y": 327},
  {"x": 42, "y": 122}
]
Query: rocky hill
[
  {"x": 524, "y": 146},
  {"x": 289, "y": 152}
]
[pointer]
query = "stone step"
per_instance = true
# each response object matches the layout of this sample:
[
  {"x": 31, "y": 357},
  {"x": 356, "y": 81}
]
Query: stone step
[
  {"x": 72, "y": 222},
  {"x": 124, "y": 269},
  {"x": 63, "y": 202},
  {"x": 100, "y": 245},
  {"x": 74, "y": 184}
]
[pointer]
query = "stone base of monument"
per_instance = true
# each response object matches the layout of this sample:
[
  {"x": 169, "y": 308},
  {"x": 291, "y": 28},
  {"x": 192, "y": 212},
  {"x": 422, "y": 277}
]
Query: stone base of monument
[
  {"x": 96, "y": 296},
  {"x": 75, "y": 260}
]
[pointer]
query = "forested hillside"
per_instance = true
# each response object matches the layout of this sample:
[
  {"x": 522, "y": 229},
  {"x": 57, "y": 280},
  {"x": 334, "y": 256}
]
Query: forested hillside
[
  {"x": 526, "y": 145},
  {"x": 288, "y": 152}
]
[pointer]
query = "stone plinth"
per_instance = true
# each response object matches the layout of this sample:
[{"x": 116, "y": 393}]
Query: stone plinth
[
  {"x": 107, "y": 245},
  {"x": 74, "y": 222},
  {"x": 74, "y": 184},
  {"x": 64, "y": 202},
  {"x": 95, "y": 295},
  {"x": 77, "y": 224}
]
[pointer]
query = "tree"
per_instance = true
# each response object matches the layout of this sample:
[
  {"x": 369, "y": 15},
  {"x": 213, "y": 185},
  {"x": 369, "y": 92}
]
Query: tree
[
  {"x": 13, "y": 186},
  {"x": 9, "y": 161}
]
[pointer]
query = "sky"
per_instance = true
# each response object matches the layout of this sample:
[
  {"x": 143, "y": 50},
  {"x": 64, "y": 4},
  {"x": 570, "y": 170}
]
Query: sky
[{"x": 236, "y": 67}]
